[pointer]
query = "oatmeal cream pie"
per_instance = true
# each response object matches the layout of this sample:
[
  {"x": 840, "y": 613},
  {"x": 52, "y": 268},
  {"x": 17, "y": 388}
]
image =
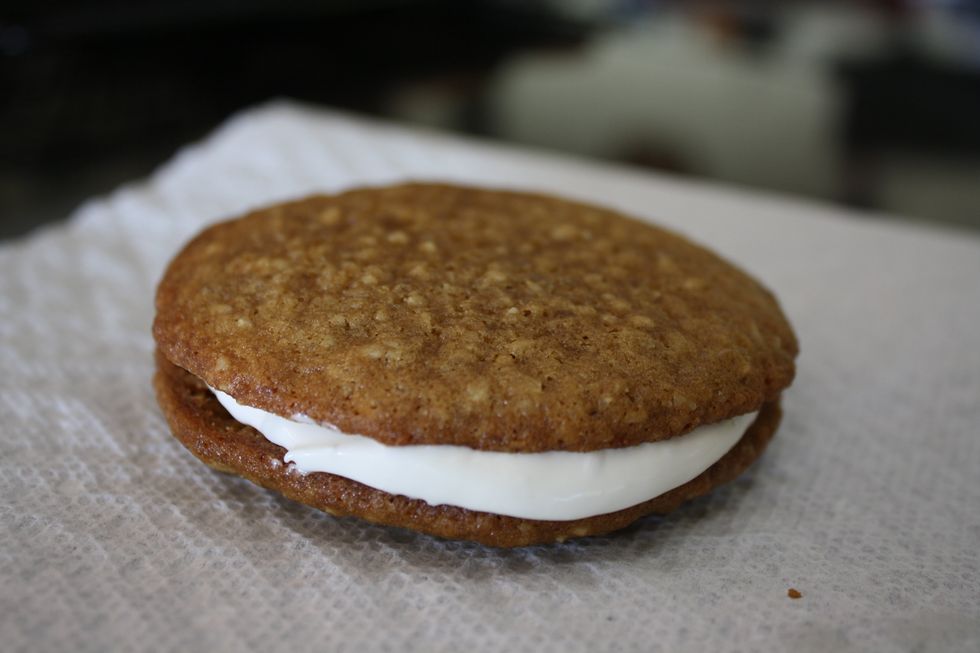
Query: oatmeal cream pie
[{"x": 503, "y": 367}]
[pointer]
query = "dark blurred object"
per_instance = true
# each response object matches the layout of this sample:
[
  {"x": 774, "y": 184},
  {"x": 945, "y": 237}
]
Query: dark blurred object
[
  {"x": 106, "y": 90},
  {"x": 906, "y": 104}
]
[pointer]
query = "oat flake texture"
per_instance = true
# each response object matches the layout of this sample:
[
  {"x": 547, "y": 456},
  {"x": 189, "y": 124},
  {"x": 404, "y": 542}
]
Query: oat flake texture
[
  {"x": 452, "y": 315},
  {"x": 115, "y": 538}
]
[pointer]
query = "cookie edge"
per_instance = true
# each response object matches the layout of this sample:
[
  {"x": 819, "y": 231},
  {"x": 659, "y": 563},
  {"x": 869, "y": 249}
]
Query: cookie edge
[{"x": 205, "y": 428}]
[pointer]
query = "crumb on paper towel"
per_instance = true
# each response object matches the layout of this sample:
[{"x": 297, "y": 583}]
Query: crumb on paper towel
[{"x": 794, "y": 593}]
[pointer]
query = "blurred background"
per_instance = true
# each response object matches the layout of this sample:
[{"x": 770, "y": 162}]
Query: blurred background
[{"x": 868, "y": 104}]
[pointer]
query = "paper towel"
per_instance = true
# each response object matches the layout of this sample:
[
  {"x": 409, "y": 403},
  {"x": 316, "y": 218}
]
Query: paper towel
[{"x": 867, "y": 502}]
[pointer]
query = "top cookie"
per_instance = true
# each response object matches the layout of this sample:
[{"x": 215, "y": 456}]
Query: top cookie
[{"x": 438, "y": 314}]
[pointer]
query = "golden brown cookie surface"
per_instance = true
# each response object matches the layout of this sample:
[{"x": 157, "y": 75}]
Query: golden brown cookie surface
[
  {"x": 209, "y": 432},
  {"x": 445, "y": 315}
]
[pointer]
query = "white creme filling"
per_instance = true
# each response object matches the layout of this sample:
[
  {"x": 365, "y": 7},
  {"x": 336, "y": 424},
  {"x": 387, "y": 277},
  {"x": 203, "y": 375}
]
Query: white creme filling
[{"x": 553, "y": 485}]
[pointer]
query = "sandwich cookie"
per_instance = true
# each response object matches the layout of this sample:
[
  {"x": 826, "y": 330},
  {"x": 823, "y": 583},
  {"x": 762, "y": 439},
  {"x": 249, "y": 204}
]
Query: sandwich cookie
[{"x": 503, "y": 367}]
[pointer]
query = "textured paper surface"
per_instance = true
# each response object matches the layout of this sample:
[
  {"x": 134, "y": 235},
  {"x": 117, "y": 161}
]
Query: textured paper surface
[{"x": 112, "y": 537}]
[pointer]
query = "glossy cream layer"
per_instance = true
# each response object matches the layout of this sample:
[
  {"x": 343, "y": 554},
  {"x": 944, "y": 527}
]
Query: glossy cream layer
[{"x": 556, "y": 485}]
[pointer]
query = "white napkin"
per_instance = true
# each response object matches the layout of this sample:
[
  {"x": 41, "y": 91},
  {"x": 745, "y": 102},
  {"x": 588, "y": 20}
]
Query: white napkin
[{"x": 112, "y": 537}]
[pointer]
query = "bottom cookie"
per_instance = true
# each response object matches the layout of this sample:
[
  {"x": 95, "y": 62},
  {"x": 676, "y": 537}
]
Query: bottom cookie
[{"x": 205, "y": 428}]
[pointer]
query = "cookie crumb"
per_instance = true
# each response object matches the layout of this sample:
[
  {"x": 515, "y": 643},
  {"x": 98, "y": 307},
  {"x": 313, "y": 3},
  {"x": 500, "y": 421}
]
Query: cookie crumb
[{"x": 794, "y": 593}]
